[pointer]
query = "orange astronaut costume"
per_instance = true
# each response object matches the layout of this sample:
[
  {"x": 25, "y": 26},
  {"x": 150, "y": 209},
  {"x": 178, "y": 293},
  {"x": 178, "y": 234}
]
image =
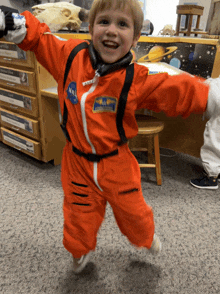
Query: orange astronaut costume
[{"x": 91, "y": 100}]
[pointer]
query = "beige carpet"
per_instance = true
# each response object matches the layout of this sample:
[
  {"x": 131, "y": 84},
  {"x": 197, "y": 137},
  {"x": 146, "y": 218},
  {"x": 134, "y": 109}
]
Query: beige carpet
[{"x": 33, "y": 260}]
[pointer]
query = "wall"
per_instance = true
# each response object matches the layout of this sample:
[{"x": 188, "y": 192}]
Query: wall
[
  {"x": 16, "y": 4},
  {"x": 161, "y": 13}
]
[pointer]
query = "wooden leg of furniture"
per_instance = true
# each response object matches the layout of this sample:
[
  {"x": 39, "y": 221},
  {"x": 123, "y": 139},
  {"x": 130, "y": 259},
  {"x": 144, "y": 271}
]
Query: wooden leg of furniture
[
  {"x": 150, "y": 149},
  {"x": 197, "y": 23},
  {"x": 190, "y": 25},
  {"x": 178, "y": 24},
  {"x": 157, "y": 159}
]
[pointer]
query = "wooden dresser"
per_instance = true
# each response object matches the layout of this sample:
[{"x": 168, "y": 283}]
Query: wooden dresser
[{"x": 29, "y": 121}]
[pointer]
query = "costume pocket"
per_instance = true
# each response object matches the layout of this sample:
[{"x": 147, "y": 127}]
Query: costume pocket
[{"x": 79, "y": 196}]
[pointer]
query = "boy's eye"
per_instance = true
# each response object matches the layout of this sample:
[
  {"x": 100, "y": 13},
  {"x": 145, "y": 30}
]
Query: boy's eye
[
  {"x": 103, "y": 21},
  {"x": 123, "y": 24}
]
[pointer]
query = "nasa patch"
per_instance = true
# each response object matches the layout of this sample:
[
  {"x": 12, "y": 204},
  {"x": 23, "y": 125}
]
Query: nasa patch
[
  {"x": 71, "y": 93},
  {"x": 105, "y": 104}
]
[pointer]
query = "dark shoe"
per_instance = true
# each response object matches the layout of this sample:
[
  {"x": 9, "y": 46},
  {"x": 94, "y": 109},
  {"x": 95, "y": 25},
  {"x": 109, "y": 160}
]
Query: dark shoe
[{"x": 205, "y": 182}]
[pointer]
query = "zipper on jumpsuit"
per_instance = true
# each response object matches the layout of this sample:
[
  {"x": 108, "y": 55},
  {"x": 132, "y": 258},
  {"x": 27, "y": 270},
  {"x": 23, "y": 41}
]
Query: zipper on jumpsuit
[{"x": 94, "y": 83}]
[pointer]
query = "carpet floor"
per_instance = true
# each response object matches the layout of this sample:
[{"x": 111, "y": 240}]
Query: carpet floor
[{"x": 33, "y": 260}]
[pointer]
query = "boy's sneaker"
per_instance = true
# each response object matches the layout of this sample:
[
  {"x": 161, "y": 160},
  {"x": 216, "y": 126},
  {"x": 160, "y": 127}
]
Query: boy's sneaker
[
  {"x": 156, "y": 246},
  {"x": 80, "y": 263},
  {"x": 205, "y": 182}
]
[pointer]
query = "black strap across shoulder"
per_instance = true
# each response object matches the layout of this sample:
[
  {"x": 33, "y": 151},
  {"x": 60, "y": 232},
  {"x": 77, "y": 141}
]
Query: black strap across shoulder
[
  {"x": 73, "y": 53},
  {"x": 120, "y": 111},
  {"x": 122, "y": 103}
]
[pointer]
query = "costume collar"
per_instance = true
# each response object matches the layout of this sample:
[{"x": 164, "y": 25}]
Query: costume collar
[{"x": 104, "y": 68}]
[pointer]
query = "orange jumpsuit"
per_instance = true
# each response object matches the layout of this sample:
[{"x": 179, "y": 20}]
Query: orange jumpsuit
[{"x": 92, "y": 128}]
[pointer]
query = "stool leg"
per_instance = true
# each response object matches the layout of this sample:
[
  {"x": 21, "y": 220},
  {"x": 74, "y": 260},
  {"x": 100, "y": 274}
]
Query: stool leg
[
  {"x": 157, "y": 159},
  {"x": 197, "y": 23},
  {"x": 150, "y": 149},
  {"x": 189, "y": 25},
  {"x": 178, "y": 24}
]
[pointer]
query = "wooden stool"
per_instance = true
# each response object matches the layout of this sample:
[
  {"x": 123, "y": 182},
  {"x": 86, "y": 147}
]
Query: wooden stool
[
  {"x": 189, "y": 11},
  {"x": 149, "y": 128}
]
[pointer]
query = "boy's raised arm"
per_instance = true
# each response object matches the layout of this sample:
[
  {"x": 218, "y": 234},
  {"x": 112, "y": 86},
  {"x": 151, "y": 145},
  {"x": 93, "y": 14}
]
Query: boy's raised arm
[{"x": 28, "y": 33}]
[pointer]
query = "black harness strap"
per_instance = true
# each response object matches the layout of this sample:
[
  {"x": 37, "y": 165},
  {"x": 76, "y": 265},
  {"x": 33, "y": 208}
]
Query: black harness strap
[
  {"x": 68, "y": 66},
  {"x": 120, "y": 112},
  {"x": 122, "y": 103},
  {"x": 71, "y": 57},
  {"x": 93, "y": 157},
  {"x": 63, "y": 125}
]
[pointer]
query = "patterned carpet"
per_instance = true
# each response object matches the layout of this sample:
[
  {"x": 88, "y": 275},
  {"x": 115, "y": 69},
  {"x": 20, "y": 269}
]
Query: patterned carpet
[{"x": 33, "y": 260}]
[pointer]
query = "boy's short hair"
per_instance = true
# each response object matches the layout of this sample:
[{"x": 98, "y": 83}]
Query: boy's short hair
[{"x": 133, "y": 5}]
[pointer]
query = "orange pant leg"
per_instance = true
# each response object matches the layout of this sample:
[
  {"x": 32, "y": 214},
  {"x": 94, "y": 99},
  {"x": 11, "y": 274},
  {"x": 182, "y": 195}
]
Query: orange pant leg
[
  {"x": 84, "y": 204},
  {"x": 83, "y": 207},
  {"x": 122, "y": 185},
  {"x": 134, "y": 218}
]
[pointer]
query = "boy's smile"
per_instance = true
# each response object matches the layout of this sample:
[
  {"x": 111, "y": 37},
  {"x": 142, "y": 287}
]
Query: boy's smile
[{"x": 113, "y": 34}]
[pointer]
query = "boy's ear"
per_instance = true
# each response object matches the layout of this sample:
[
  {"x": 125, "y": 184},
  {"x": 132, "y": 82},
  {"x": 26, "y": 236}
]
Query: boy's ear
[{"x": 135, "y": 41}]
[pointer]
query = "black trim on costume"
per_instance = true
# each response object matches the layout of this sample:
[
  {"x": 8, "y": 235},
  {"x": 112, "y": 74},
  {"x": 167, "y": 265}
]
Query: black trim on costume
[
  {"x": 93, "y": 157},
  {"x": 102, "y": 69},
  {"x": 67, "y": 69},
  {"x": 63, "y": 125},
  {"x": 71, "y": 57},
  {"x": 81, "y": 204},
  {"x": 80, "y": 185},
  {"x": 122, "y": 103},
  {"x": 129, "y": 191},
  {"x": 80, "y": 195},
  {"x": 106, "y": 68}
]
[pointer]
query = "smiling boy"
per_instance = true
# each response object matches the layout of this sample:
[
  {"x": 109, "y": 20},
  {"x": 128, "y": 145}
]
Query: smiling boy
[
  {"x": 98, "y": 95},
  {"x": 112, "y": 32}
]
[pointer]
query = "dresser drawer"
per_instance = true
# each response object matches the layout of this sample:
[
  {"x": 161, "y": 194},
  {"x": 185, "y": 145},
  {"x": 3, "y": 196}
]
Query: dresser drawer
[
  {"x": 11, "y": 54},
  {"x": 21, "y": 124},
  {"x": 21, "y": 79},
  {"x": 19, "y": 103},
  {"x": 21, "y": 143}
]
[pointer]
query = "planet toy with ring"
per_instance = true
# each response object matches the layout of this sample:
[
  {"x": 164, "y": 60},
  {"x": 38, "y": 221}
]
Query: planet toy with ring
[{"x": 157, "y": 53}]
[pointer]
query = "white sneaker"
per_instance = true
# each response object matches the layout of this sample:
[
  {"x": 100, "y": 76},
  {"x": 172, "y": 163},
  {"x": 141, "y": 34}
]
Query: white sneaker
[
  {"x": 156, "y": 246},
  {"x": 80, "y": 263}
]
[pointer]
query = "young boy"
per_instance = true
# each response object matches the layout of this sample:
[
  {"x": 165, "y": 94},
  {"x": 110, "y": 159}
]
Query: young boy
[{"x": 100, "y": 90}]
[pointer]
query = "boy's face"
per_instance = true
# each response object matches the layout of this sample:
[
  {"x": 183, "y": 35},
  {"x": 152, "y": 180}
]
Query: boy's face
[{"x": 113, "y": 34}]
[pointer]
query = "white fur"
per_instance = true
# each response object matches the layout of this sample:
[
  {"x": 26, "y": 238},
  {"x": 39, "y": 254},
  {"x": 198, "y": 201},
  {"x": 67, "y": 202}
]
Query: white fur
[
  {"x": 2, "y": 21},
  {"x": 17, "y": 36}
]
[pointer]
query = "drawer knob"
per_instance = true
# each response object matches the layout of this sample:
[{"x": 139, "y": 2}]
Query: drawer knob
[
  {"x": 8, "y": 59},
  {"x": 16, "y": 129}
]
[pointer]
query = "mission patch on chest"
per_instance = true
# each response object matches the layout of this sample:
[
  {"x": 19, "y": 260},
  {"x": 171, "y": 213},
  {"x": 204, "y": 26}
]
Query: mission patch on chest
[{"x": 105, "y": 104}]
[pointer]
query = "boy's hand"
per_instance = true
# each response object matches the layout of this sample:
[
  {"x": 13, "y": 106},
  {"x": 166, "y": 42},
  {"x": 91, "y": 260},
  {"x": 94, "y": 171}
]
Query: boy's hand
[
  {"x": 12, "y": 26},
  {"x": 2, "y": 23}
]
